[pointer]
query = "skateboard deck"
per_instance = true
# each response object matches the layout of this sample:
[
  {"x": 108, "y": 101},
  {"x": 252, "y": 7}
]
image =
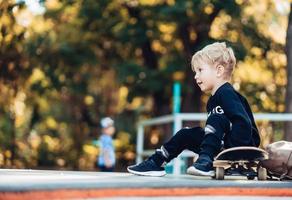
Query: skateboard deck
[{"x": 241, "y": 161}]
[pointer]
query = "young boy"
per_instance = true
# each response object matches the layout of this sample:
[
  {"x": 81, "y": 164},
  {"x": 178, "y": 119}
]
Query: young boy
[
  {"x": 106, "y": 158},
  {"x": 230, "y": 122}
]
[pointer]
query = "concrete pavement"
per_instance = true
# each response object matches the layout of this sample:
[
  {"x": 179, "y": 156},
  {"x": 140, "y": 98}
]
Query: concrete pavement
[{"x": 49, "y": 184}]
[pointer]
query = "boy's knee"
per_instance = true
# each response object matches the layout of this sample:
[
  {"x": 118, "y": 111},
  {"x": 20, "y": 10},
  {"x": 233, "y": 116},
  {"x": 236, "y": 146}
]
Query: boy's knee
[
  {"x": 190, "y": 133},
  {"x": 188, "y": 130}
]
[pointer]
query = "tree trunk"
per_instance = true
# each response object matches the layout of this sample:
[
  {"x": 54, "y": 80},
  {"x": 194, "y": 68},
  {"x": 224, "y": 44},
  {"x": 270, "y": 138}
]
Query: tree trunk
[
  {"x": 191, "y": 101},
  {"x": 161, "y": 102},
  {"x": 288, "y": 101},
  {"x": 13, "y": 140}
]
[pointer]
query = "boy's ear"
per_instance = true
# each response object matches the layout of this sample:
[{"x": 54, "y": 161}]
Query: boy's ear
[{"x": 220, "y": 70}]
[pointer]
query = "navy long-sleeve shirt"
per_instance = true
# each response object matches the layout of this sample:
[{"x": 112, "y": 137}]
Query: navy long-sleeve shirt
[{"x": 235, "y": 107}]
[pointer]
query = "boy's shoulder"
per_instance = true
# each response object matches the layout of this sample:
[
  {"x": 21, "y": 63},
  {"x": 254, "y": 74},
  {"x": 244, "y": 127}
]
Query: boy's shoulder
[{"x": 227, "y": 91}]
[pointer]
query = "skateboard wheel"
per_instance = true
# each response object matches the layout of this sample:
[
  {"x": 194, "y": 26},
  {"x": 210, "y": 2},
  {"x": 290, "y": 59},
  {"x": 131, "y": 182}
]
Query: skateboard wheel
[
  {"x": 262, "y": 174},
  {"x": 219, "y": 173}
]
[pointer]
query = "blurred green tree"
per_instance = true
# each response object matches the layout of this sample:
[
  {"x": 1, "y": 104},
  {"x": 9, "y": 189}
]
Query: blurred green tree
[
  {"x": 13, "y": 72},
  {"x": 81, "y": 60}
]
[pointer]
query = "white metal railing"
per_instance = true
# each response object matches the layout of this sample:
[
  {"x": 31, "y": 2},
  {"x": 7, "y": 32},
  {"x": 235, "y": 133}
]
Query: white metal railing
[{"x": 178, "y": 119}]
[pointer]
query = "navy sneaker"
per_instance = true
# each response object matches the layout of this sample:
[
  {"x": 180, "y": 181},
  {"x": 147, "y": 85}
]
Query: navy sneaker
[
  {"x": 202, "y": 167},
  {"x": 147, "y": 168}
]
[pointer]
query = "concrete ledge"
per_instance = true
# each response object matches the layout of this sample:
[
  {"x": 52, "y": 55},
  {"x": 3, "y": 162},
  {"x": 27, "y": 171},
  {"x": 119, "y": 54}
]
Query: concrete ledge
[{"x": 46, "y": 184}]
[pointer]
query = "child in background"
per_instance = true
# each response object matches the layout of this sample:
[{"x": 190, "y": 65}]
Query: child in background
[{"x": 106, "y": 158}]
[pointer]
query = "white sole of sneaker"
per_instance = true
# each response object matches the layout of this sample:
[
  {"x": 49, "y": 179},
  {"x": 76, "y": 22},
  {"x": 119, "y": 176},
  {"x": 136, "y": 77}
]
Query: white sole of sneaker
[
  {"x": 193, "y": 171},
  {"x": 149, "y": 173}
]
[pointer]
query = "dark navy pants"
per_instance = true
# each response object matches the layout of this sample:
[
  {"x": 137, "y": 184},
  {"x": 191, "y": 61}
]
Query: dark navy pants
[{"x": 202, "y": 141}]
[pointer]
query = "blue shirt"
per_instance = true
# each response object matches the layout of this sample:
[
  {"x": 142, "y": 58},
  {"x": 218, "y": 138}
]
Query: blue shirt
[{"x": 106, "y": 146}]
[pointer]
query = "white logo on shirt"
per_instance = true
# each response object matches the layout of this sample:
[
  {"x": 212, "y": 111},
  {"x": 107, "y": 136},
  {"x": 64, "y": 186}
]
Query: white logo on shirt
[{"x": 216, "y": 110}]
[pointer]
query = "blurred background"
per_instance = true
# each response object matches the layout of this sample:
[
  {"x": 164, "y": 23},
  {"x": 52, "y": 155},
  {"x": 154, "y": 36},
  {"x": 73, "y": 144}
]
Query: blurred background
[{"x": 65, "y": 64}]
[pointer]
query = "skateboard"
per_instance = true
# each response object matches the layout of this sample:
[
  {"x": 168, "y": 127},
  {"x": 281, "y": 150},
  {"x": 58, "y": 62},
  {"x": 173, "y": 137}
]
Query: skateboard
[{"x": 240, "y": 161}]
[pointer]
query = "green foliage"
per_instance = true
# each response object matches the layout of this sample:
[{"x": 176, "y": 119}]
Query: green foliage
[{"x": 83, "y": 60}]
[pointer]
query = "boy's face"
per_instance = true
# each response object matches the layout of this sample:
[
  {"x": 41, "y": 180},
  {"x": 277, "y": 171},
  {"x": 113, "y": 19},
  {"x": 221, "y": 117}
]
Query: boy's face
[{"x": 206, "y": 76}]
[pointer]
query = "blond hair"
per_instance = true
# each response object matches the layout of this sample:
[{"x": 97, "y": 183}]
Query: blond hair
[{"x": 216, "y": 54}]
